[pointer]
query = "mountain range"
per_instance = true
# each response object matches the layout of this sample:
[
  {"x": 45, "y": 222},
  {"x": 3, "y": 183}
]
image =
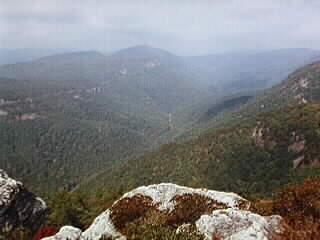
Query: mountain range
[
  {"x": 82, "y": 128},
  {"x": 87, "y": 111}
]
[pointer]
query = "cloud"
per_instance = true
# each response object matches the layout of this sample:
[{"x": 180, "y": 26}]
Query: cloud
[{"x": 182, "y": 26}]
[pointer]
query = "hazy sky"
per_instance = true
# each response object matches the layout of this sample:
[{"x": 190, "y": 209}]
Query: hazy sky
[{"x": 185, "y": 27}]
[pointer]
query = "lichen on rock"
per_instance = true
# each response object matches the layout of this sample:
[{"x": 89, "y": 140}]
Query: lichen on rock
[
  {"x": 239, "y": 224},
  {"x": 182, "y": 209},
  {"x": 18, "y": 206}
]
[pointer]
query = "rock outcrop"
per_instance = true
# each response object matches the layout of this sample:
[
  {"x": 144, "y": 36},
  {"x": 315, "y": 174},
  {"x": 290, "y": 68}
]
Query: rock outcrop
[
  {"x": 212, "y": 213},
  {"x": 67, "y": 233},
  {"x": 18, "y": 206},
  {"x": 239, "y": 224}
]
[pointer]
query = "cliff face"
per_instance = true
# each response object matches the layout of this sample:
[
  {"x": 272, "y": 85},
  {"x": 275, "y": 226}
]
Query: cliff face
[
  {"x": 18, "y": 206},
  {"x": 200, "y": 213}
]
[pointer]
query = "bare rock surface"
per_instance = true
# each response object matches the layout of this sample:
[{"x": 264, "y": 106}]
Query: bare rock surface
[
  {"x": 67, "y": 233},
  {"x": 213, "y": 213},
  {"x": 18, "y": 206},
  {"x": 239, "y": 224},
  {"x": 163, "y": 195}
]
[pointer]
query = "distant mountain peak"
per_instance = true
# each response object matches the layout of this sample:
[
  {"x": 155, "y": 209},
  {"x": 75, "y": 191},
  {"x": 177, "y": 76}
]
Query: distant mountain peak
[{"x": 142, "y": 51}]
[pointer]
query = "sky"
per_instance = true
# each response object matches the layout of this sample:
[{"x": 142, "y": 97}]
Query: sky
[{"x": 184, "y": 27}]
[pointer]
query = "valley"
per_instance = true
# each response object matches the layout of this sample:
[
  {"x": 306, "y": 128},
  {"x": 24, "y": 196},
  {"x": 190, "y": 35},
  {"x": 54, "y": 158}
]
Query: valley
[
  {"x": 88, "y": 111},
  {"x": 86, "y": 127},
  {"x": 159, "y": 120}
]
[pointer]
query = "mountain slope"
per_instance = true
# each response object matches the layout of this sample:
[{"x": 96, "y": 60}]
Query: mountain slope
[
  {"x": 301, "y": 86},
  {"x": 255, "y": 156},
  {"x": 161, "y": 78},
  {"x": 143, "y": 51},
  {"x": 10, "y": 56},
  {"x": 46, "y": 132},
  {"x": 84, "y": 111}
]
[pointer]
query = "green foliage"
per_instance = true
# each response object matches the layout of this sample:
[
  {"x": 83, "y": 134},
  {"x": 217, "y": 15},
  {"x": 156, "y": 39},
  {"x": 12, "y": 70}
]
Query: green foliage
[
  {"x": 18, "y": 233},
  {"x": 79, "y": 136},
  {"x": 154, "y": 231},
  {"x": 87, "y": 115},
  {"x": 84, "y": 135},
  {"x": 69, "y": 209},
  {"x": 228, "y": 159}
]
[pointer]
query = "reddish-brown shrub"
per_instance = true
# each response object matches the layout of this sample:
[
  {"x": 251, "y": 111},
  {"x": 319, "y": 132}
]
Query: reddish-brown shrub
[
  {"x": 299, "y": 205},
  {"x": 129, "y": 209},
  {"x": 190, "y": 207},
  {"x": 44, "y": 231}
]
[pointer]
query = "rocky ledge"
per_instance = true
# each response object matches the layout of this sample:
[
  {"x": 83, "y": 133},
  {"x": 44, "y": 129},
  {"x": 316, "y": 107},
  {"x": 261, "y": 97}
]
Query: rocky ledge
[
  {"x": 210, "y": 214},
  {"x": 18, "y": 206}
]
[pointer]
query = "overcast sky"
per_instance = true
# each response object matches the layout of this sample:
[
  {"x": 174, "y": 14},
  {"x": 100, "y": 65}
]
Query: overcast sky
[{"x": 185, "y": 27}]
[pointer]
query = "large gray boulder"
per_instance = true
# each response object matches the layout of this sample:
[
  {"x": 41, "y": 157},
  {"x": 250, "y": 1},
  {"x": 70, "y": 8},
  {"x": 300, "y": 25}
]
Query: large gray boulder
[
  {"x": 18, "y": 206},
  {"x": 239, "y": 224},
  {"x": 219, "y": 214}
]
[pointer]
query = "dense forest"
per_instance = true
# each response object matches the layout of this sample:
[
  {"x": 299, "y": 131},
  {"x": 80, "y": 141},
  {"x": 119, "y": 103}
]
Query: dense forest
[
  {"x": 159, "y": 120},
  {"x": 83, "y": 140}
]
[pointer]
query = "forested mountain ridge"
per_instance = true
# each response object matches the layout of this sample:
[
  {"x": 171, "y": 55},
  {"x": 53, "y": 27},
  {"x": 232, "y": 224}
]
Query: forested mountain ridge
[
  {"x": 255, "y": 156},
  {"x": 10, "y": 56},
  {"x": 143, "y": 51},
  {"x": 78, "y": 125},
  {"x": 86, "y": 110},
  {"x": 83, "y": 111},
  {"x": 45, "y": 135},
  {"x": 161, "y": 77},
  {"x": 301, "y": 86}
]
